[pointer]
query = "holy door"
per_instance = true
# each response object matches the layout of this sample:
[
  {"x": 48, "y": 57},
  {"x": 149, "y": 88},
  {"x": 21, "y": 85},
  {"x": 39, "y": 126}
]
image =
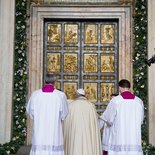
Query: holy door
[{"x": 83, "y": 54}]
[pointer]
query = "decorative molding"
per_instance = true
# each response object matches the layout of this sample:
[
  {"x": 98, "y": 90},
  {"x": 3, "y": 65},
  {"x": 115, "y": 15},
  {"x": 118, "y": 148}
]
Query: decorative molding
[
  {"x": 126, "y": 2},
  {"x": 73, "y": 1},
  {"x": 39, "y": 13}
]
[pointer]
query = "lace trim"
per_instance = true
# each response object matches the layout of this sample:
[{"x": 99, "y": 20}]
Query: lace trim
[
  {"x": 47, "y": 148},
  {"x": 119, "y": 148}
]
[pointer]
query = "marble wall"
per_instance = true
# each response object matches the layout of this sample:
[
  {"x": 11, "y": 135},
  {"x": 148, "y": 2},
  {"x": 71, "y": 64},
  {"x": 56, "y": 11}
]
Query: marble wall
[
  {"x": 7, "y": 13},
  {"x": 151, "y": 70}
]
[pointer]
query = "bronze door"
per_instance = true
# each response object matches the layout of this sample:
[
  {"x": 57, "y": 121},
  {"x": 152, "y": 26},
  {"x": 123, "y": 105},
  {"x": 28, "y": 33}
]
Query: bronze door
[{"x": 84, "y": 54}]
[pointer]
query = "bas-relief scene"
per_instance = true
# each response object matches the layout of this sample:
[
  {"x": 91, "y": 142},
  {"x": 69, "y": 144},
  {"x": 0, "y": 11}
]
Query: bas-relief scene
[
  {"x": 71, "y": 33},
  {"x": 107, "y": 63},
  {"x": 70, "y": 90},
  {"x": 57, "y": 85},
  {"x": 91, "y": 91},
  {"x": 70, "y": 63},
  {"x": 90, "y": 63},
  {"x": 54, "y": 33},
  {"x": 106, "y": 90},
  {"x": 90, "y": 34},
  {"x": 53, "y": 62},
  {"x": 68, "y": 33},
  {"x": 107, "y": 34}
]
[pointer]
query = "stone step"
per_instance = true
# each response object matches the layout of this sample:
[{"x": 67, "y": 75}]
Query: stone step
[{"x": 24, "y": 150}]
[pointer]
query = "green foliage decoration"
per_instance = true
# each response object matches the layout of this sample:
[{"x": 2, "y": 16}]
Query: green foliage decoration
[
  {"x": 20, "y": 79},
  {"x": 140, "y": 68},
  {"x": 20, "y": 75}
]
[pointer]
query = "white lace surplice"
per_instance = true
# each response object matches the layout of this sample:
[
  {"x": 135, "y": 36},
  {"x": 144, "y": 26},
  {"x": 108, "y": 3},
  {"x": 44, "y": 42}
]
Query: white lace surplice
[
  {"x": 47, "y": 111},
  {"x": 125, "y": 116}
]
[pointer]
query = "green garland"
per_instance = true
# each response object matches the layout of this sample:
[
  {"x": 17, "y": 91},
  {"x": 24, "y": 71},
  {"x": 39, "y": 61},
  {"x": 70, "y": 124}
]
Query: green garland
[
  {"x": 139, "y": 66},
  {"x": 20, "y": 77}
]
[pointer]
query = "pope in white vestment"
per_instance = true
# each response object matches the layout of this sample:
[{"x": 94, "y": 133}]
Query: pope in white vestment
[
  {"x": 81, "y": 128},
  {"x": 125, "y": 115},
  {"x": 47, "y": 107}
]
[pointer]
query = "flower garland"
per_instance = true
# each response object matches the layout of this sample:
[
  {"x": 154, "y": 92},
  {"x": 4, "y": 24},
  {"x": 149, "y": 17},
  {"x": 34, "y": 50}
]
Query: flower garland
[
  {"x": 139, "y": 66},
  {"x": 20, "y": 77}
]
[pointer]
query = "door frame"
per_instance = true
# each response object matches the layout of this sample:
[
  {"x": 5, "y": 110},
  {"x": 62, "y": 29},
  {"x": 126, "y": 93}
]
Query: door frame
[{"x": 35, "y": 52}]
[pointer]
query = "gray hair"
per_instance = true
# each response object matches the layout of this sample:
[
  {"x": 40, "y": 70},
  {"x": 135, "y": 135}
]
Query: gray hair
[{"x": 50, "y": 78}]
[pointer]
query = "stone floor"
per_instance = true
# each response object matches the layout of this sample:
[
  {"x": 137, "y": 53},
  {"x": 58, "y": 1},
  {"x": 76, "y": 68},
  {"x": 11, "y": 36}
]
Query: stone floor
[{"x": 24, "y": 150}]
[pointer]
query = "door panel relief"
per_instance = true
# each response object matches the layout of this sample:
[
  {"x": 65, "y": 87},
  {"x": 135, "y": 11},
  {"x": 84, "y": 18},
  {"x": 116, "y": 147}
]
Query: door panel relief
[{"x": 83, "y": 55}]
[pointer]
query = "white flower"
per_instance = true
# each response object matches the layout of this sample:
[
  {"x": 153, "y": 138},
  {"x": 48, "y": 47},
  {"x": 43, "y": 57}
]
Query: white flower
[
  {"x": 23, "y": 4},
  {"x": 19, "y": 51},
  {"x": 142, "y": 86},
  {"x": 136, "y": 58},
  {"x": 23, "y": 26},
  {"x": 19, "y": 126},
  {"x": 17, "y": 27},
  {"x": 20, "y": 59},
  {"x": 17, "y": 122},
  {"x": 18, "y": 99},
  {"x": 13, "y": 138}
]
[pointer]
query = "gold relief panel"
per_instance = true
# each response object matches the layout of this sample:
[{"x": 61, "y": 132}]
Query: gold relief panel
[
  {"x": 70, "y": 63},
  {"x": 90, "y": 48},
  {"x": 107, "y": 63},
  {"x": 90, "y": 34},
  {"x": 90, "y": 63},
  {"x": 54, "y": 33},
  {"x": 90, "y": 77},
  {"x": 70, "y": 90},
  {"x": 53, "y": 62},
  {"x": 106, "y": 90},
  {"x": 111, "y": 49},
  {"x": 71, "y": 48},
  {"x": 70, "y": 77},
  {"x": 107, "y": 34},
  {"x": 71, "y": 33},
  {"x": 91, "y": 91},
  {"x": 55, "y": 48},
  {"x": 107, "y": 77},
  {"x": 57, "y": 85}
]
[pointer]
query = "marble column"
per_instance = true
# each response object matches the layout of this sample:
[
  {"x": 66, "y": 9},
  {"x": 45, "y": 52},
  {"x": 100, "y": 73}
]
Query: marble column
[
  {"x": 151, "y": 71},
  {"x": 7, "y": 16}
]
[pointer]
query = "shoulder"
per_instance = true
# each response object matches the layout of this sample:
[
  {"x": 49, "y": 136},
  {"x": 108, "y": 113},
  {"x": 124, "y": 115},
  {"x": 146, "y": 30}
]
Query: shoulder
[
  {"x": 36, "y": 92},
  {"x": 60, "y": 93},
  {"x": 138, "y": 100},
  {"x": 116, "y": 99}
]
